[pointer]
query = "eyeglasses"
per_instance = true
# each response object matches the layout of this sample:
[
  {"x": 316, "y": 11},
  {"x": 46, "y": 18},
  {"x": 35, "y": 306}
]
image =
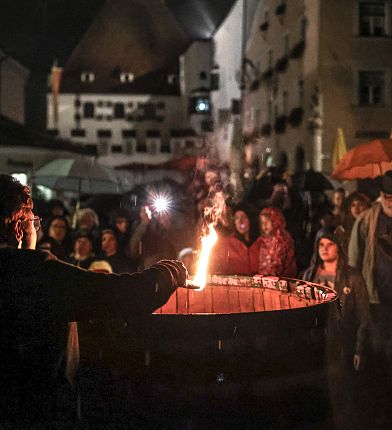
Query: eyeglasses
[{"x": 36, "y": 222}]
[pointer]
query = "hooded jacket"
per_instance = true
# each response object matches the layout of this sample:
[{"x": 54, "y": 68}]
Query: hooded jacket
[
  {"x": 351, "y": 318},
  {"x": 276, "y": 253}
]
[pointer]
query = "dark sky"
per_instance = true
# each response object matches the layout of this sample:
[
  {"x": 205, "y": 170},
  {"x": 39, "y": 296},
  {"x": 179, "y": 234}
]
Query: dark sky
[{"x": 38, "y": 31}]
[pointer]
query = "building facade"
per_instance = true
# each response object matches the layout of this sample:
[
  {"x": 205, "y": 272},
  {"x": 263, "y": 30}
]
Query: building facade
[{"x": 312, "y": 66}]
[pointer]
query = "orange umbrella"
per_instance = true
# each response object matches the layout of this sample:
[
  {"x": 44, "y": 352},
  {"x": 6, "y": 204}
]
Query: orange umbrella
[{"x": 368, "y": 160}]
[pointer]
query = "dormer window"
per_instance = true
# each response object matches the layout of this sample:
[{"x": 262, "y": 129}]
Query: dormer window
[
  {"x": 87, "y": 77},
  {"x": 172, "y": 79},
  {"x": 126, "y": 77}
]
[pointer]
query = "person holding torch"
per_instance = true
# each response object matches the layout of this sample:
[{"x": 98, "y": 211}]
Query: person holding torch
[{"x": 41, "y": 295}]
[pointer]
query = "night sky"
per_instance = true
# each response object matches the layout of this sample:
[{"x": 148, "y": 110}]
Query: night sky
[{"x": 38, "y": 31}]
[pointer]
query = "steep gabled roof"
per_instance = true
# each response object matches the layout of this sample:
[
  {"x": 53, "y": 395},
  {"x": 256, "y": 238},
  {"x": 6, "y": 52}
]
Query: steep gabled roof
[{"x": 128, "y": 36}]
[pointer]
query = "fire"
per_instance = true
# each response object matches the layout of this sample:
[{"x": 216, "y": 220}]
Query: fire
[{"x": 207, "y": 243}]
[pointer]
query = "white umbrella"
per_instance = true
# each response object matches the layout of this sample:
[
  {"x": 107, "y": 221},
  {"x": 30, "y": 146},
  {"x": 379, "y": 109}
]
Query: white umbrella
[{"x": 79, "y": 176}]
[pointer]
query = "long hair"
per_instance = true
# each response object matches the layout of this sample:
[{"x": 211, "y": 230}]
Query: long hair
[{"x": 15, "y": 204}]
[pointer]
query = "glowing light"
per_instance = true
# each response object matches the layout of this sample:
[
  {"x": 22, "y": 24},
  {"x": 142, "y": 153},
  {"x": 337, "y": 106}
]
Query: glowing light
[
  {"x": 207, "y": 243},
  {"x": 161, "y": 202}
]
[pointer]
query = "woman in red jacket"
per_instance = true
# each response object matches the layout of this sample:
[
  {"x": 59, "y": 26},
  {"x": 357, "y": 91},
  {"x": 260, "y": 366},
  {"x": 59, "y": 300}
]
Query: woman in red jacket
[
  {"x": 236, "y": 254},
  {"x": 275, "y": 246}
]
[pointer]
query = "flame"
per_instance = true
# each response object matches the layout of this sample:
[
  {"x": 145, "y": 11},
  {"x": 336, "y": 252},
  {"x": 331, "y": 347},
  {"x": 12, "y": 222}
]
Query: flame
[{"x": 207, "y": 243}]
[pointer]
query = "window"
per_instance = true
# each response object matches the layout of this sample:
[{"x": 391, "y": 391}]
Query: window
[
  {"x": 126, "y": 77},
  {"x": 104, "y": 132},
  {"x": 88, "y": 110},
  {"x": 119, "y": 110},
  {"x": 214, "y": 77},
  {"x": 372, "y": 18},
  {"x": 235, "y": 106},
  {"x": 371, "y": 87},
  {"x": 78, "y": 132},
  {"x": 149, "y": 111},
  {"x": 117, "y": 149},
  {"x": 161, "y": 105},
  {"x": 141, "y": 147},
  {"x": 166, "y": 149},
  {"x": 87, "y": 77},
  {"x": 199, "y": 105},
  {"x": 203, "y": 76},
  {"x": 153, "y": 133}
]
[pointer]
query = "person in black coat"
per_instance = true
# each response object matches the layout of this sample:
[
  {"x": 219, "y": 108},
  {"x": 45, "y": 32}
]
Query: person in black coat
[{"x": 40, "y": 296}]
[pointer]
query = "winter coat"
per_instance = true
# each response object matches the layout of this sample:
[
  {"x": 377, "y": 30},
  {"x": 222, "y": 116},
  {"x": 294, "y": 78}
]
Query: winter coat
[
  {"x": 349, "y": 321},
  {"x": 231, "y": 256},
  {"x": 361, "y": 248},
  {"x": 276, "y": 255}
]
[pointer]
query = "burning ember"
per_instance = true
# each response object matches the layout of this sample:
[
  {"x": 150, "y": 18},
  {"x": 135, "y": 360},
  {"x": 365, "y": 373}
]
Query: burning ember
[{"x": 207, "y": 243}]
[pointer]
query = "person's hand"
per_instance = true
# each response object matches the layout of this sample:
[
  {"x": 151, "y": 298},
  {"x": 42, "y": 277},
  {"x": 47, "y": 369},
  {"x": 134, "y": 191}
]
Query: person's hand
[
  {"x": 145, "y": 214},
  {"x": 177, "y": 271},
  {"x": 357, "y": 361}
]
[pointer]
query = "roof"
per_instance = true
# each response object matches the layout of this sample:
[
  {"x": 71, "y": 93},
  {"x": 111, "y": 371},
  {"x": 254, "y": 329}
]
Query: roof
[
  {"x": 14, "y": 134},
  {"x": 141, "y": 35}
]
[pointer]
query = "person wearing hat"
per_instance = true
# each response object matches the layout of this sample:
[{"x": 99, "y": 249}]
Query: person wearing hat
[
  {"x": 83, "y": 250},
  {"x": 369, "y": 251},
  {"x": 348, "y": 322}
]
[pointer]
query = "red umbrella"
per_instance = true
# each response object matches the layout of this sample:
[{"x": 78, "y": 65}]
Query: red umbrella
[{"x": 368, "y": 160}]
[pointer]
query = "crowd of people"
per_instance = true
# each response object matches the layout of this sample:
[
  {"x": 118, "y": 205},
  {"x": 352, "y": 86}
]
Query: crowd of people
[{"x": 277, "y": 228}]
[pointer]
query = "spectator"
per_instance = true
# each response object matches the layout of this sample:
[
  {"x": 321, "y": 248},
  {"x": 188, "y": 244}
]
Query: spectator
[
  {"x": 87, "y": 219},
  {"x": 186, "y": 255},
  {"x": 275, "y": 246},
  {"x": 83, "y": 252},
  {"x": 355, "y": 204},
  {"x": 149, "y": 242},
  {"x": 347, "y": 324},
  {"x": 369, "y": 253},
  {"x": 113, "y": 255},
  {"x": 236, "y": 254},
  {"x": 57, "y": 238},
  {"x": 40, "y": 295},
  {"x": 121, "y": 225},
  {"x": 338, "y": 202}
]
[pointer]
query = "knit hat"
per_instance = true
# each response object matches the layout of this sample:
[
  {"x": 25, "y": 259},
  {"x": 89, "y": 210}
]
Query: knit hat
[{"x": 335, "y": 235}]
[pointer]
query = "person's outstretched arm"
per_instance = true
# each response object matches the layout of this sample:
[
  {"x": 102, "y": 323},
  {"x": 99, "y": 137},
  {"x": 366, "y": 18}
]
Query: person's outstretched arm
[{"x": 81, "y": 294}]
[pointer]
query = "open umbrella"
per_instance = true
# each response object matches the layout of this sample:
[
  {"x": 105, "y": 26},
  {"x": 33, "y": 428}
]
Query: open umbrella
[
  {"x": 367, "y": 160},
  {"x": 80, "y": 176},
  {"x": 311, "y": 180}
]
